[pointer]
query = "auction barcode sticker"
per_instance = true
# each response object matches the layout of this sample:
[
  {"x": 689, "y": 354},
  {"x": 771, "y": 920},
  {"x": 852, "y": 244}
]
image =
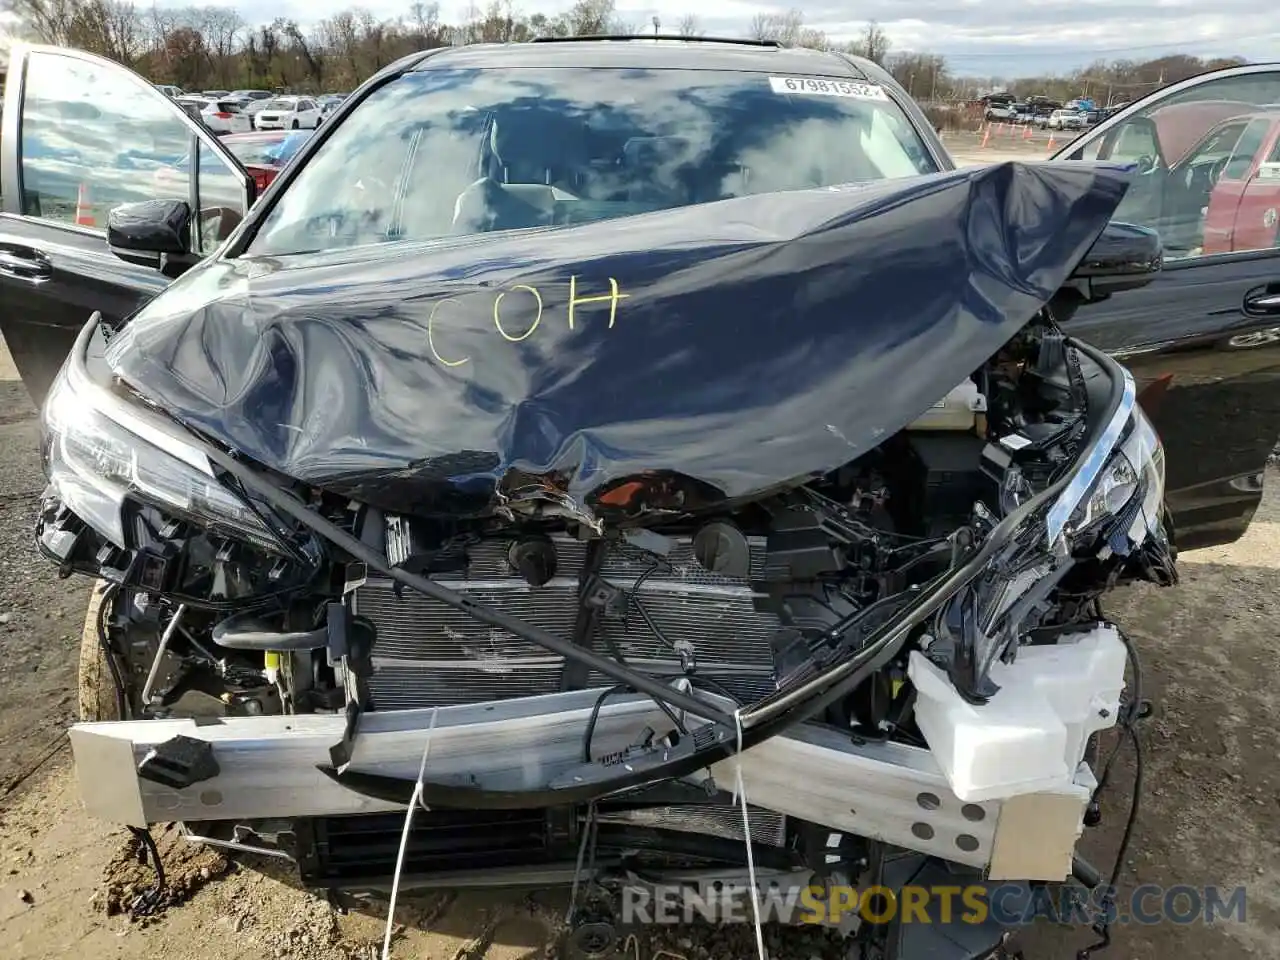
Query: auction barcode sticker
[{"x": 827, "y": 87}]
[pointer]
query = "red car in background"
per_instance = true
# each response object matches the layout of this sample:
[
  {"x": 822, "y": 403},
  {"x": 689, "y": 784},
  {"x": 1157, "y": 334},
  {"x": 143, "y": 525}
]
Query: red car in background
[
  {"x": 264, "y": 153},
  {"x": 1244, "y": 205}
]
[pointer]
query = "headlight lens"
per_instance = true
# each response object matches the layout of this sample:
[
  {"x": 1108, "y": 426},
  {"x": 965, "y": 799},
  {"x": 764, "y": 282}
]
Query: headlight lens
[
  {"x": 1137, "y": 466},
  {"x": 95, "y": 463}
]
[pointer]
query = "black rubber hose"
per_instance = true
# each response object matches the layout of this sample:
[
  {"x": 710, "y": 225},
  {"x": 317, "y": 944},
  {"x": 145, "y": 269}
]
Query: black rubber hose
[{"x": 248, "y": 632}]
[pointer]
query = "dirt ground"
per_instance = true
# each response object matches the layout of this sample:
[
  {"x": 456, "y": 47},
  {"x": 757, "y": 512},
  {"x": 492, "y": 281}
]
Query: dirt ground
[
  {"x": 1210, "y": 814},
  {"x": 1004, "y": 143}
]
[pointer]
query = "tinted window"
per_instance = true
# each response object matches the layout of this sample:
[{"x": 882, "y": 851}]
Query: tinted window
[
  {"x": 95, "y": 137},
  {"x": 454, "y": 152},
  {"x": 282, "y": 105}
]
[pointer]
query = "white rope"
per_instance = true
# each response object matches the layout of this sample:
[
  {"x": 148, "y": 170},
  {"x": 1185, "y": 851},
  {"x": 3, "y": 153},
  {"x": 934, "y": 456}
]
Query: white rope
[
  {"x": 740, "y": 796},
  {"x": 414, "y": 801}
]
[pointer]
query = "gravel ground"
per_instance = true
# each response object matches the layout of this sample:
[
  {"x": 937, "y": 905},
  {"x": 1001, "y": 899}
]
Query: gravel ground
[{"x": 1211, "y": 814}]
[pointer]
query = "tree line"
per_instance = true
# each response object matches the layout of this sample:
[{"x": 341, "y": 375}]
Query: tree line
[{"x": 213, "y": 47}]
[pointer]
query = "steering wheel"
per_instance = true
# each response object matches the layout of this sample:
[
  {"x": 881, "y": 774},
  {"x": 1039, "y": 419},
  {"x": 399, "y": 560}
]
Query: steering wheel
[
  {"x": 1217, "y": 169},
  {"x": 1145, "y": 163}
]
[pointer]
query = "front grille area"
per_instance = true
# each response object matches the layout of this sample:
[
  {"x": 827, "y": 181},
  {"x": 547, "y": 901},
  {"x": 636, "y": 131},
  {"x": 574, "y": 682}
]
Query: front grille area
[
  {"x": 427, "y": 654},
  {"x": 354, "y": 850}
]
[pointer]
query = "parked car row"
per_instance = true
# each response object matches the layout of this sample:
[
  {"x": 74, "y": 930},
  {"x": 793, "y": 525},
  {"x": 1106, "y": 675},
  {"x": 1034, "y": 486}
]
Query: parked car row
[
  {"x": 1046, "y": 114},
  {"x": 242, "y": 111}
]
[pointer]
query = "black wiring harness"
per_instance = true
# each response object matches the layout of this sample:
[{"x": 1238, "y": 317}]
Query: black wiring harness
[{"x": 1130, "y": 715}]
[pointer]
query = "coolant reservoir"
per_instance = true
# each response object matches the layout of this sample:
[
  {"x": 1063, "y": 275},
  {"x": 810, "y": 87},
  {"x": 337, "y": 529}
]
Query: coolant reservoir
[{"x": 958, "y": 410}]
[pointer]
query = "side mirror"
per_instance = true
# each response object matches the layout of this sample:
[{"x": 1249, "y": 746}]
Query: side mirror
[
  {"x": 147, "y": 231},
  {"x": 1125, "y": 257}
]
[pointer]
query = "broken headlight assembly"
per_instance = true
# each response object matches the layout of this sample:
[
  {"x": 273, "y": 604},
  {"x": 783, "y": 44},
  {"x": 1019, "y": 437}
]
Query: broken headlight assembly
[
  {"x": 104, "y": 456},
  {"x": 1111, "y": 505}
]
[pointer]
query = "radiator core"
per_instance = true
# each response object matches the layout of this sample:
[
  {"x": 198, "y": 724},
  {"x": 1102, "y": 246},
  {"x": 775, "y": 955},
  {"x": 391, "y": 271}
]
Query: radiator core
[{"x": 428, "y": 654}]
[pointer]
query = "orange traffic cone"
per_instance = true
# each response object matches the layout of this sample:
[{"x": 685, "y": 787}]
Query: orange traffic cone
[
  {"x": 84, "y": 210},
  {"x": 1026, "y": 132},
  {"x": 986, "y": 136},
  {"x": 1049, "y": 148}
]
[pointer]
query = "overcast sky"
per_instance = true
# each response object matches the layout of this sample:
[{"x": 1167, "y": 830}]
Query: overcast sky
[{"x": 978, "y": 36}]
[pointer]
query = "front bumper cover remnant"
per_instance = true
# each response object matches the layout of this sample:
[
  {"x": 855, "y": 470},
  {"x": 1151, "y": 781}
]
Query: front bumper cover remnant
[{"x": 269, "y": 767}]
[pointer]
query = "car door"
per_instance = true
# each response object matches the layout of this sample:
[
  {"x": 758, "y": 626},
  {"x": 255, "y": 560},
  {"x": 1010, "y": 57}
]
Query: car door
[
  {"x": 80, "y": 136},
  {"x": 1198, "y": 339},
  {"x": 308, "y": 114}
]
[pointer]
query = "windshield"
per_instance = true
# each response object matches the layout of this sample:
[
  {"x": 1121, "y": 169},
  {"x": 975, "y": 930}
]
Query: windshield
[
  {"x": 441, "y": 152},
  {"x": 284, "y": 105}
]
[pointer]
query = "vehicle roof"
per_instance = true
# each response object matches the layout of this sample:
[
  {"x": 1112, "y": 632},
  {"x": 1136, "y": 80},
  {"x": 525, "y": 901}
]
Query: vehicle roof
[{"x": 659, "y": 54}]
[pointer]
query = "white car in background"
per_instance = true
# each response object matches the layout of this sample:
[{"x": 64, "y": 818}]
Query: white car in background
[
  {"x": 1065, "y": 120},
  {"x": 220, "y": 116},
  {"x": 287, "y": 113}
]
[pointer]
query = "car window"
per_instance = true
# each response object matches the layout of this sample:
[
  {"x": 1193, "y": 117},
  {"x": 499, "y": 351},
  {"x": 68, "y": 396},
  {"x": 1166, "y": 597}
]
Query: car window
[
  {"x": 1217, "y": 147},
  {"x": 93, "y": 137},
  {"x": 1133, "y": 143},
  {"x": 306, "y": 105},
  {"x": 1184, "y": 144},
  {"x": 1246, "y": 149},
  {"x": 282, "y": 105},
  {"x": 254, "y": 152},
  {"x": 222, "y": 199},
  {"x": 449, "y": 152}
]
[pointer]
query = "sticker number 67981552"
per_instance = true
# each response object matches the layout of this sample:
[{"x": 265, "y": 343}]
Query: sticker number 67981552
[{"x": 828, "y": 87}]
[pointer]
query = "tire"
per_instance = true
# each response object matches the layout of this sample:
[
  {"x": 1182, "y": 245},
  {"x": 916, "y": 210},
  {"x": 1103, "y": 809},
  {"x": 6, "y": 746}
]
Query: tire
[
  {"x": 293, "y": 125},
  {"x": 96, "y": 689}
]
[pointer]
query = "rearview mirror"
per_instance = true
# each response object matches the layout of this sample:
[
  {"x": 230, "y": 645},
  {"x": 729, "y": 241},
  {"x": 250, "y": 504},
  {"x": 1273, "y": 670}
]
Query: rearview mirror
[
  {"x": 141, "y": 232},
  {"x": 1125, "y": 257}
]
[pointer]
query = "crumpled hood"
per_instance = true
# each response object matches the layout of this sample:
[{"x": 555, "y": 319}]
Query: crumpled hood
[{"x": 741, "y": 344}]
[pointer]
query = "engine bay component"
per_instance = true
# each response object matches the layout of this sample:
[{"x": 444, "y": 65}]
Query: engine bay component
[
  {"x": 1031, "y": 734},
  {"x": 721, "y": 548},
  {"x": 964, "y": 408}
]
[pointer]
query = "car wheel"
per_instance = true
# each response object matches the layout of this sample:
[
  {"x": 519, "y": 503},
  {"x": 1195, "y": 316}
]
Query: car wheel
[{"x": 293, "y": 125}]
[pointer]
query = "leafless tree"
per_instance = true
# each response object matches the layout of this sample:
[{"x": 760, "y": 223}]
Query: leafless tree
[
  {"x": 690, "y": 26},
  {"x": 788, "y": 29},
  {"x": 873, "y": 44}
]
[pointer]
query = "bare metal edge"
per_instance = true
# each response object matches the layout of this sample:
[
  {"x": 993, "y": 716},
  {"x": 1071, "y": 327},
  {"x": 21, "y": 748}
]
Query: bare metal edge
[{"x": 268, "y": 769}]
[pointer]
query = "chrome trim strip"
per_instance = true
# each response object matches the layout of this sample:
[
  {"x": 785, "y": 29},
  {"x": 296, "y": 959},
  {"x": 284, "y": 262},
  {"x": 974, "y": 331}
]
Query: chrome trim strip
[{"x": 1092, "y": 463}]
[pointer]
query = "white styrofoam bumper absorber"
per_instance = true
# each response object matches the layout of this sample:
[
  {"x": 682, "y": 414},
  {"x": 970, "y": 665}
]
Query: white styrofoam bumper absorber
[{"x": 1032, "y": 734}]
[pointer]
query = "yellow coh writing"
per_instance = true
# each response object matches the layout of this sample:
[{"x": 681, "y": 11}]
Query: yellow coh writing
[
  {"x": 515, "y": 319},
  {"x": 611, "y": 298}
]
